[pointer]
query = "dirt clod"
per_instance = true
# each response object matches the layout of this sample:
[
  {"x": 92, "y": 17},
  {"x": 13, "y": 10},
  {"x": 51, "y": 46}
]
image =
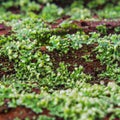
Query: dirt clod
[
  {"x": 6, "y": 67},
  {"x": 4, "y": 30}
]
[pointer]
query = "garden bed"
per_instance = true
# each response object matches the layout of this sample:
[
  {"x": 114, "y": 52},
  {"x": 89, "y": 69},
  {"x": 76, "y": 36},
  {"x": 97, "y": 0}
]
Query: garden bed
[{"x": 60, "y": 60}]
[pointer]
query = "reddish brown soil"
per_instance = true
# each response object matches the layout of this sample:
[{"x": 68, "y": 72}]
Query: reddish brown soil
[
  {"x": 89, "y": 26},
  {"x": 57, "y": 22},
  {"x": 21, "y": 113},
  {"x": 108, "y": 117},
  {"x": 75, "y": 57},
  {"x": 86, "y": 26},
  {"x": 4, "y": 30},
  {"x": 92, "y": 67},
  {"x": 35, "y": 90},
  {"x": 43, "y": 48},
  {"x": 6, "y": 64},
  {"x": 15, "y": 10},
  {"x": 110, "y": 114}
]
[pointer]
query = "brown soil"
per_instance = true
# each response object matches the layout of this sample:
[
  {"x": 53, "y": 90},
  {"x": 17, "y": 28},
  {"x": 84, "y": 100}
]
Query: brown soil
[
  {"x": 4, "y": 30},
  {"x": 57, "y": 22},
  {"x": 89, "y": 26},
  {"x": 43, "y": 48},
  {"x": 35, "y": 90},
  {"x": 92, "y": 66},
  {"x": 7, "y": 67},
  {"x": 108, "y": 117},
  {"x": 15, "y": 10},
  {"x": 86, "y": 26},
  {"x": 21, "y": 113}
]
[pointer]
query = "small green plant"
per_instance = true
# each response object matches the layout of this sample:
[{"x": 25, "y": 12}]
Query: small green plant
[
  {"x": 51, "y": 12},
  {"x": 102, "y": 29},
  {"x": 87, "y": 58}
]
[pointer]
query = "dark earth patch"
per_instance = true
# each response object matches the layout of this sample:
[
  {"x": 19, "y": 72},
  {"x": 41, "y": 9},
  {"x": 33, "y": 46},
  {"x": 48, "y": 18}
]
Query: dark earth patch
[
  {"x": 4, "y": 30},
  {"x": 21, "y": 112},
  {"x": 57, "y": 22},
  {"x": 109, "y": 116},
  {"x": 6, "y": 67},
  {"x": 14, "y": 9},
  {"x": 75, "y": 58},
  {"x": 35, "y": 90},
  {"x": 89, "y": 26}
]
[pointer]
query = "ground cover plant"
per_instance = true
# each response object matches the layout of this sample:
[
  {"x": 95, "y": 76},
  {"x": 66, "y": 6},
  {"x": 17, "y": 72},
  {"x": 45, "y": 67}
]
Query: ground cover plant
[{"x": 60, "y": 60}]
